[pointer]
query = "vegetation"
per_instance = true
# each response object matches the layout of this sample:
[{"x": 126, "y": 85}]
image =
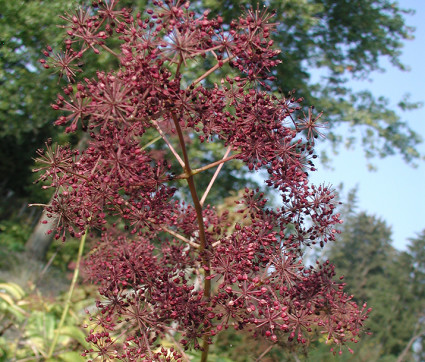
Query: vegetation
[
  {"x": 391, "y": 280},
  {"x": 166, "y": 268},
  {"x": 343, "y": 40}
]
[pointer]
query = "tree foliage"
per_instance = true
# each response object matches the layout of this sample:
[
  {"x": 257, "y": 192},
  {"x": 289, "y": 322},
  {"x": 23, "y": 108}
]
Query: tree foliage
[
  {"x": 24, "y": 90},
  {"x": 343, "y": 39},
  {"x": 391, "y": 280}
]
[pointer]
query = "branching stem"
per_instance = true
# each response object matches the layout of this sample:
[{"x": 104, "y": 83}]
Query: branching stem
[
  {"x": 204, "y": 196},
  {"x": 268, "y": 349},
  {"x": 180, "y": 237},
  {"x": 212, "y": 70},
  {"x": 203, "y": 168},
  {"x": 202, "y": 237},
  {"x": 164, "y": 137},
  {"x": 109, "y": 50},
  {"x": 151, "y": 142}
]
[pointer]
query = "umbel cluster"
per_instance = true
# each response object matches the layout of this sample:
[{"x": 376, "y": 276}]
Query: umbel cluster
[{"x": 166, "y": 266}]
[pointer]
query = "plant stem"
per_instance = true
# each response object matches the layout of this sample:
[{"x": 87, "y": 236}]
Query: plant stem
[
  {"x": 202, "y": 238},
  {"x": 180, "y": 237},
  {"x": 109, "y": 50},
  {"x": 268, "y": 349},
  {"x": 206, "y": 167},
  {"x": 204, "y": 196},
  {"x": 176, "y": 155},
  {"x": 70, "y": 292},
  {"x": 151, "y": 142},
  {"x": 212, "y": 70}
]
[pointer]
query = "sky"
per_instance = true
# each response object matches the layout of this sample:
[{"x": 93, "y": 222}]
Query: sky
[{"x": 396, "y": 191}]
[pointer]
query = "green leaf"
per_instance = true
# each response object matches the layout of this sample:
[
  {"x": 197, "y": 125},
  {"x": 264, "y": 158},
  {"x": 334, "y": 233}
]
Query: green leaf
[
  {"x": 71, "y": 356},
  {"x": 13, "y": 289},
  {"x": 9, "y": 306},
  {"x": 74, "y": 333},
  {"x": 40, "y": 329}
]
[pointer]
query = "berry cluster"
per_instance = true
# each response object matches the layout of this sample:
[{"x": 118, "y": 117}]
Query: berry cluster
[{"x": 166, "y": 267}]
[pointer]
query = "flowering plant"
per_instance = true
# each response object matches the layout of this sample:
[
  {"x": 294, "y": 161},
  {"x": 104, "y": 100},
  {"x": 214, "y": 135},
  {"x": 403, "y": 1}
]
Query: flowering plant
[{"x": 166, "y": 267}]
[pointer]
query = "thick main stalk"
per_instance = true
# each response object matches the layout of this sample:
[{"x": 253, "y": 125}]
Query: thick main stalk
[{"x": 202, "y": 239}]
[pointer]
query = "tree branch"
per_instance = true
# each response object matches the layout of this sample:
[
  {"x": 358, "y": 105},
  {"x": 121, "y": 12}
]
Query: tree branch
[{"x": 403, "y": 354}]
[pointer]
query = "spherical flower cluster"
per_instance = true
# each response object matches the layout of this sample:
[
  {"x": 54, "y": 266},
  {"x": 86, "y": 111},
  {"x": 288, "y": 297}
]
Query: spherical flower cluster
[{"x": 169, "y": 268}]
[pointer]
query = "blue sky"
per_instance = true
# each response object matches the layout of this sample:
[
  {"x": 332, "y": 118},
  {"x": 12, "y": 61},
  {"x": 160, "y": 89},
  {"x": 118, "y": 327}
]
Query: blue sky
[{"x": 396, "y": 191}]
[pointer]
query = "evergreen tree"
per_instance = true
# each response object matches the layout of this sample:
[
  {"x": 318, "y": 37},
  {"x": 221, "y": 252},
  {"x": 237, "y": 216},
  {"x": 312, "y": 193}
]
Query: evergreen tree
[
  {"x": 416, "y": 258},
  {"x": 388, "y": 279}
]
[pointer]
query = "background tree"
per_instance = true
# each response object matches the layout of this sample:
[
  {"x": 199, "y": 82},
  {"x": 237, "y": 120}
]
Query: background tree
[
  {"x": 25, "y": 121},
  {"x": 415, "y": 256},
  {"x": 24, "y": 29},
  {"x": 391, "y": 280},
  {"x": 344, "y": 39},
  {"x": 26, "y": 117}
]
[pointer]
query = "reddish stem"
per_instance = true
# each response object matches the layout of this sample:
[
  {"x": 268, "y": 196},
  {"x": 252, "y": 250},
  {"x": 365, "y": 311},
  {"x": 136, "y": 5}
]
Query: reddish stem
[
  {"x": 202, "y": 238},
  {"x": 185, "y": 175},
  {"x": 204, "y": 196},
  {"x": 212, "y": 70}
]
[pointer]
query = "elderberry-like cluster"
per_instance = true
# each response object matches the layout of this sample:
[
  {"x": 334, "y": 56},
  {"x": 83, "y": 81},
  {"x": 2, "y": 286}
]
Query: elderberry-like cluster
[{"x": 166, "y": 267}]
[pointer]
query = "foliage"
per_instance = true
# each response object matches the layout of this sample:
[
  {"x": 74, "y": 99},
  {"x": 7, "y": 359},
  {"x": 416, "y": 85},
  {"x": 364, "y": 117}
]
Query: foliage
[
  {"x": 175, "y": 268},
  {"x": 389, "y": 279},
  {"x": 63, "y": 255},
  {"x": 308, "y": 35},
  {"x": 416, "y": 260},
  {"x": 28, "y": 324},
  {"x": 24, "y": 91},
  {"x": 343, "y": 40},
  {"x": 13, "y": 235}
]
